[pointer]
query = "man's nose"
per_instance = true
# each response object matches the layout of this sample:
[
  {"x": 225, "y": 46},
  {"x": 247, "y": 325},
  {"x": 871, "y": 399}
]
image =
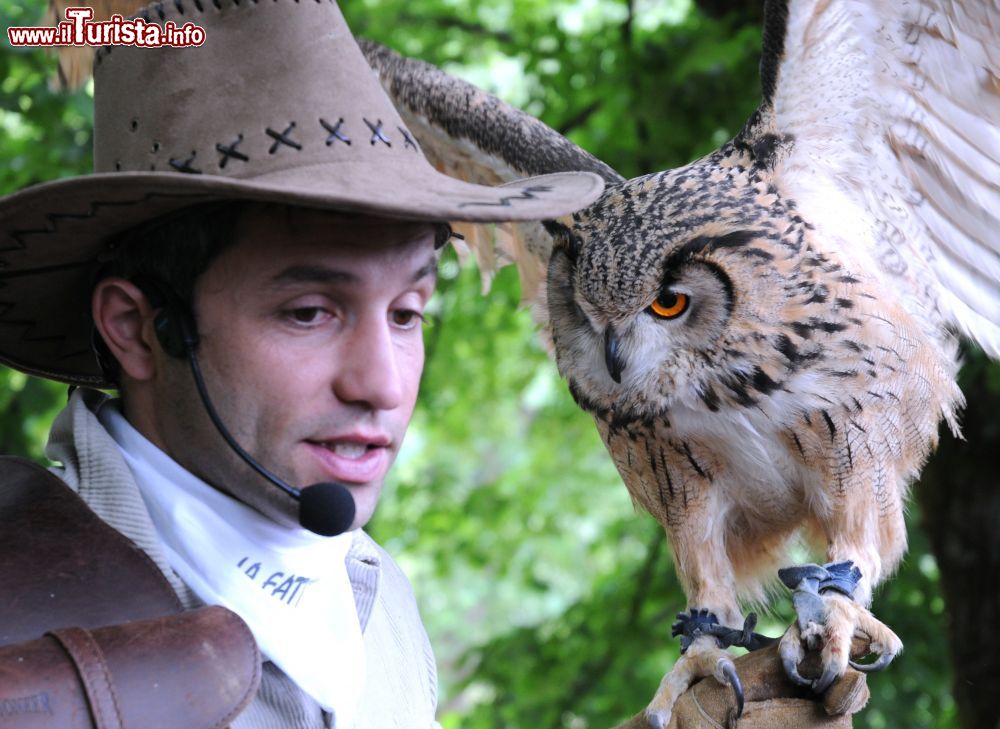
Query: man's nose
[{"x": 369, "y": 372}]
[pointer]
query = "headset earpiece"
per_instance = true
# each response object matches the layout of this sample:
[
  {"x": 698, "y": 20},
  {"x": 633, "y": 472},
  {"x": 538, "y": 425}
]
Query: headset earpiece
[
  {"x": 170, "y": 330},
  {"x": 174, "y": 323}
]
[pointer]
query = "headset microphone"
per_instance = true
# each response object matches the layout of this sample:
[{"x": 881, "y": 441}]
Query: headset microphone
[{"x": 325, "y": 508}]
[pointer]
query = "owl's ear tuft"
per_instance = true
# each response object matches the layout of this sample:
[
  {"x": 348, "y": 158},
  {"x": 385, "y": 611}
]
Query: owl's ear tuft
[{"x": 555, "y": 229}]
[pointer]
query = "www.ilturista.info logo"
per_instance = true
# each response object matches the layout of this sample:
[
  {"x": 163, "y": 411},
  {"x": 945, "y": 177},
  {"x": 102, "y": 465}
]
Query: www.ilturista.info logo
[{"x": 80, "y": 30}]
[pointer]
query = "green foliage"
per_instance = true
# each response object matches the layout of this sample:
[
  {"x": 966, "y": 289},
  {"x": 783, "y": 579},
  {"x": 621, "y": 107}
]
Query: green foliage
[
  {"x": 27, "y": 408},
  {"x": 548, "y": 599},
  {"x": 45, "y": 134}
]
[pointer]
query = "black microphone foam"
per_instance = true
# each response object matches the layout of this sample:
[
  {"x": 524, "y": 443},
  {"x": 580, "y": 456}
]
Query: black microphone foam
[{"x": 326, "y": 509}]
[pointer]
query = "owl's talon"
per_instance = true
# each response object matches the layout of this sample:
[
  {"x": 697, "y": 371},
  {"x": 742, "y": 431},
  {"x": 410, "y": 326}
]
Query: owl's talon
[
  {"x": 831, "y": 672},
  {"x": 703, "y": 657},
  {"x": 790, "y": 650},
  {"x": 827, "y": 619},
  {"x": 792, "y": 671},
  {"x": 883, "y": 661},
  {"x": 729, "y": 672}
]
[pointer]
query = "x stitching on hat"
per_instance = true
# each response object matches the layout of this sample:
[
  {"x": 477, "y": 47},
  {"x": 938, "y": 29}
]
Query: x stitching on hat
[
  {"x": 377, "y": 135},
  {"x": 228, "y": 151},
  {"x": 335, "y": 132},
  {"x": 282, "y": 138},
  {"x": 185, "y": 165}
]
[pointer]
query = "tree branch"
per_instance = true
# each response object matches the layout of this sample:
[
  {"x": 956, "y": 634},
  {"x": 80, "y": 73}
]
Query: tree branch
[{"x": 580, "y": 118}]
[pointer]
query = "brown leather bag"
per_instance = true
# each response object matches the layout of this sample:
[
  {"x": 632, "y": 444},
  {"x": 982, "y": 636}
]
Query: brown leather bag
[{"x": 91, "y": 634}]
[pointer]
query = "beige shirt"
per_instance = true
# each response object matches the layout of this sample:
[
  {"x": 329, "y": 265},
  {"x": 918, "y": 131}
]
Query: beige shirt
[{"x": 401, "y": 679}]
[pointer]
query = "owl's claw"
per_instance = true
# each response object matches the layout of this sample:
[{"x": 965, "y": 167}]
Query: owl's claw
[
  {"x": 790, "y": 650},
  {"x": 880, "y": 664},
  {"x": 827, "y": 620},
  {"x": 729, "y": 671},
  {"x": 831, "y": 672},
  {"x": 703, "y": 644},
  {"x": 704, "y": 658}
]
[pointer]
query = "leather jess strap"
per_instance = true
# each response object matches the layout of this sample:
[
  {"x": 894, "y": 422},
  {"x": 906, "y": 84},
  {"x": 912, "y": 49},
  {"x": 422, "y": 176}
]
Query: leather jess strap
[{"x": 91, "y": 634}]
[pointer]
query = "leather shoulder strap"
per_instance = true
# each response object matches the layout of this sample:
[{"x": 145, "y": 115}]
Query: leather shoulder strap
[
  {"x": 62, "y": 567},
  {"x": 194, "y": 670},
  {"x": 95, "y": 676}
]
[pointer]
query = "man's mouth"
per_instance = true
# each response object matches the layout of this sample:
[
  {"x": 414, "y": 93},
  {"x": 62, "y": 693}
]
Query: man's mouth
[
  {"x": 347, "y": 450},
  {"x": 353, "y": 460}
]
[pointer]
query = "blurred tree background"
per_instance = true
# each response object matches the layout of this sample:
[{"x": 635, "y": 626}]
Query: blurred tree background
[{"x": 548, "y": 598}]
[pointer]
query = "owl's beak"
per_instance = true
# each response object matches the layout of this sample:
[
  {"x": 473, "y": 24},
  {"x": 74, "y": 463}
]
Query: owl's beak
[{"x": 612, "y": 354}]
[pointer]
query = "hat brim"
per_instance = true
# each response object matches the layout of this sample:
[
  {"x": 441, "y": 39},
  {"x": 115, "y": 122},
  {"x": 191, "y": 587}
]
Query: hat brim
[{"x": 56, "y": 231}]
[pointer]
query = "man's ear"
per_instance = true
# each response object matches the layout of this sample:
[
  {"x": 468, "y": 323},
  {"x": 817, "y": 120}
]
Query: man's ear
[{"x": 124, "y": 317}]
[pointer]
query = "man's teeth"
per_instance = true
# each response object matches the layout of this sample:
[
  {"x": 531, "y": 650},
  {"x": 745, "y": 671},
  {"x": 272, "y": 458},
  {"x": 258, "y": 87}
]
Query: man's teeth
[{"x": 347, "y": 450}]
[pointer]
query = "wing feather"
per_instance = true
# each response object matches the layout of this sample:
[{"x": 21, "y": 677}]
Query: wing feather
[
  {"x": 471, "y": 134},
  {"x": 76, "y": 62},
  {"x": 893, "y": 109}
]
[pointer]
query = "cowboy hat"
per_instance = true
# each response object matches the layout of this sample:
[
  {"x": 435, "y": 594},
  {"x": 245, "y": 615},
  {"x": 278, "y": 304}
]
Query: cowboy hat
[{"x": 278, "y": 105}]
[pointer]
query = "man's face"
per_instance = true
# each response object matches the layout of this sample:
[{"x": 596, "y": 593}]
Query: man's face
[{"x": 312, "y": 351}]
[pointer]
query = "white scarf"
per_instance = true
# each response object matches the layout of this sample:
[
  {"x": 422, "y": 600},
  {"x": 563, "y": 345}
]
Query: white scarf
[{"x": 288, "y": 584}]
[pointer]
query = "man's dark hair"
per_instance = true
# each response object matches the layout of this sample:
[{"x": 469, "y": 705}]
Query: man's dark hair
[{"x": 173, "y": 249}]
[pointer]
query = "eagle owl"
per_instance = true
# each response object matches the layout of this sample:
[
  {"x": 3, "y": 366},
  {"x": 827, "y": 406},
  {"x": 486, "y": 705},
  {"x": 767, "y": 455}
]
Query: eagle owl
[{"x": 767, "y": 337}]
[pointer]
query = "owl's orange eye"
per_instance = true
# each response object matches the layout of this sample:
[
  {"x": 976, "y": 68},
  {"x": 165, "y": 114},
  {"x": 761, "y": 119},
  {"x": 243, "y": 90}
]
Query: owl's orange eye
[{"x": 669, "y": 305}]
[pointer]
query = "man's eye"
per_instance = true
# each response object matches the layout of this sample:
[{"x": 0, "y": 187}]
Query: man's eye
[
  {"x": 306, "y": 314},
  {"x": 407, "y": 318}
]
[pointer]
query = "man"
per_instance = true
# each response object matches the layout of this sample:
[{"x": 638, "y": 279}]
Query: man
[{"x": 255, "y": 252}]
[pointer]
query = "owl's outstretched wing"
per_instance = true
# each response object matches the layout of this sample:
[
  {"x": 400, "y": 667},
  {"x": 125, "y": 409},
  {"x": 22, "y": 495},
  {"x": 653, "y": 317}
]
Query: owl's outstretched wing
[
  {"x": 468, "y": 133},
  {"x": 892, "y": 113}
]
